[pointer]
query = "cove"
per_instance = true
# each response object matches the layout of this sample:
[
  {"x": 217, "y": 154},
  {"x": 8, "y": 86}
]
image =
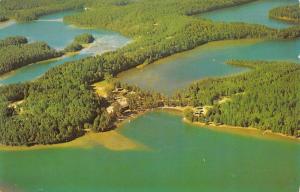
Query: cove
[
  {"x": 255, "y": 13},
  {"x": 57, "y": 34},
  {"x": 177, "y": 72},
  {"x": 182, "y": 157}
]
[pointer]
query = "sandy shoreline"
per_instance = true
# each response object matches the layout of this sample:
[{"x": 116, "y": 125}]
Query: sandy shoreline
[
  {"x": 111, "y": 140},
  {"x": 115, "y": 141},
  {"x": 286, "y": 19},
  {"x": 246, "y": 131},
  {"x": 6, "y": 23}
]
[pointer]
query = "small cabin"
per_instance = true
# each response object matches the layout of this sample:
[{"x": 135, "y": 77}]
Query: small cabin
[
  {"x": 199, "y": 111},
  {"x": 123, "y": 102}
]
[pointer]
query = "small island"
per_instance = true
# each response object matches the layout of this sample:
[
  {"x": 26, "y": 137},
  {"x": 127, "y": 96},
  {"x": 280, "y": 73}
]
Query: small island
[
  {"x": 289, "y": 13},
  {"x": 80, "y": 42}
]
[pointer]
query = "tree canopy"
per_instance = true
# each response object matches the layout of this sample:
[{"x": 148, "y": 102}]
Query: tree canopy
[
  {"x": 18, "y": 53},
  {"x": 17, "y": 40},
  {"x": 289, "y": 13},
  {"x": 57, "y": 106}
]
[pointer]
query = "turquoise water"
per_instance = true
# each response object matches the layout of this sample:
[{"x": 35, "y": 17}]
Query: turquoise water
[
  {"x": 53, "y": 30},
  {"x": 57, "y": 34},
  {"x": 255, "y": 13},
  {"x": 177, "y": 72},
  {"x": 36, "y": 70},
  {"x": 181, "y": 158}
]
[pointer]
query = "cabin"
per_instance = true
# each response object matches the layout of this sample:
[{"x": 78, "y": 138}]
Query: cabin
[
  {"x": 123, "y": 102},
  {"x": 198, "y": 111}
]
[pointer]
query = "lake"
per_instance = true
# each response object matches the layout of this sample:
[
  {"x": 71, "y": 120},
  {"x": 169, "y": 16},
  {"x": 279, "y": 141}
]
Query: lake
[
  {"x": 157, "y": 151},
  {"x": 52, "y": 30},
  {"x": 176, "y": 72},
  {"x": 179, "y": 157},
  {"x": 256, "y": 12}
]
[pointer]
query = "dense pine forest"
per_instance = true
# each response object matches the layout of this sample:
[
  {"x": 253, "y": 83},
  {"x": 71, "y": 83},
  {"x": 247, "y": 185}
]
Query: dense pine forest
[
  {"x": 18, "y": 40},
  {"x": 286, "y": 13},
  {"x": 57, "y": 107},
  {"x": 267, "y": 97},
  {"x": 84, "y": 39},
  {"x": 16, "y": 53},
  {"x": 32, "y": 9}
]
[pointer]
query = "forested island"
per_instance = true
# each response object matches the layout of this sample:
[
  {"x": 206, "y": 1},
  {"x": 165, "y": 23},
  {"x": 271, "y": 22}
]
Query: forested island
[
  {"x": 79, "y": 42},
  {"x": 289, "y": 13},
  {"x": 16, "y": 53},
  {"x": 60, "y": 105}
]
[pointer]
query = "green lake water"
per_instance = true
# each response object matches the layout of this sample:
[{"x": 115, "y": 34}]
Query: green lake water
[
  {"x": 57, "y": 34},
  {"x": 255, "y": 13},
  {"x": 177, "y": 72},
  {"x": 182, "y": 157}
]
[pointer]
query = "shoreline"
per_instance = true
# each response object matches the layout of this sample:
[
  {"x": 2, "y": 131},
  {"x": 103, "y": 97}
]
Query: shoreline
[
  {"x": 227, "y": 7},
  {"x": 7, "y": 23},
  {"x": 91, "y": 139},
  {"x": 207, "y": 46},
  {"x": 86, "y": 141},
  {"x": 285, "y": 19},
  {"x": 54, "y": 59},
  {"x": 246, "y": 131},
  {"x": 10, "y": 73}
]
